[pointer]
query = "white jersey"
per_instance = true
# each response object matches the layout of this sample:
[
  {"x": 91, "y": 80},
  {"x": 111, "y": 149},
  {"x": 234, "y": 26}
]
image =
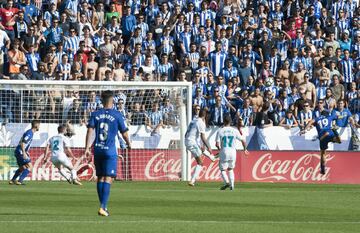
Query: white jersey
[
  {"x": 57, "y": 145},
  {"x": 227, "y": 137},
  {"x": 195, "y": 128}
]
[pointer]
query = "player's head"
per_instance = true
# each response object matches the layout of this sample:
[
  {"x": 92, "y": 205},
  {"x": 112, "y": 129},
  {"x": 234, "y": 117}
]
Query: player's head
[
  {"x": 107, "y": 98},
  {"x": 227, "y": 120},
  {"x": 35, "y": 124},
  {"x": 325, "y": 113},
  {"x": 62, "y": 129}
]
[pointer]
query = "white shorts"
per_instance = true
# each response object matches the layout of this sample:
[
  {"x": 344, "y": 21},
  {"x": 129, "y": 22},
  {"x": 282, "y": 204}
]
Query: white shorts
[
  {"x": 195, "y": 150},
  {"x": 61, "y": 160},
  {"x": 224, "y": 165}
]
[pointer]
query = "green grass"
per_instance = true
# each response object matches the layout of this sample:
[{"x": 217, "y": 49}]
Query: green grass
[{"x": 175, "y": 207}]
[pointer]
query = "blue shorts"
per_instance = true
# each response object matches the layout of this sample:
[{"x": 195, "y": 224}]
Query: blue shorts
[
  {"x": 20, "y": 159},
  {"x": 105, "y": 166},
  {"x": 330, "y": 138}
]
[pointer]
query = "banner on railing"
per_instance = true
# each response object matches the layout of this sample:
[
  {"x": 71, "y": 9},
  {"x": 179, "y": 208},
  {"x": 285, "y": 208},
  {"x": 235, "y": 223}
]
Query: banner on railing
[
  {"x": 165, "y": 165},
  {"x": 272, "y": 138}
]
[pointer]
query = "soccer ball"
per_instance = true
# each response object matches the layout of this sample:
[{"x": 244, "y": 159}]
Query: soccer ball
[{"x": 269, "y": 81}]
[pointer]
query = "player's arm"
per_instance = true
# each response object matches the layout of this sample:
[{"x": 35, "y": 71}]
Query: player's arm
[
  {"x": 25, "y": 154},
  {"x": 243, "y": 142},
  {"x": 46, "y": 152},
  {"x": 205, "y": 141},
  {"x": 217, "y": 144},
  {"x": 88, "y": 141},
  {"x": 309, "y": 125},
  {"x": 125, "y": 136}
]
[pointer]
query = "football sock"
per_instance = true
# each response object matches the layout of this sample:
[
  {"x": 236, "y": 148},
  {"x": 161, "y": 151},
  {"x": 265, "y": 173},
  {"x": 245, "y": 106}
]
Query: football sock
[
  {"x": 197, "y": 171},
  {"x": 63, "y": 173},
  {"x": 73, "y": 174},
  {"x": 105, "y": 194},
  {"x": 99, "y": 188},
  {"x": 225, "y": 177},
  {"x": 23, "y": 175},
  {"x": 231, "y": 177},
  {"x": 17, "y": 174}
]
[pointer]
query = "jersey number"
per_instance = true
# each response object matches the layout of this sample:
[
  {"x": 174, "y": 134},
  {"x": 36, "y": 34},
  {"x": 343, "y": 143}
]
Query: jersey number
[
  {"x": 104, "y": 128},
  {"x": 55, "y": 146},
  {"x": 227, "y": 141},
  {"x": 323, "y": 123}
]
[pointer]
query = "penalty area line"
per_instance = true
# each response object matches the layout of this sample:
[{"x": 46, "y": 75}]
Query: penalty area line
[{"x": 179, "y": 221}]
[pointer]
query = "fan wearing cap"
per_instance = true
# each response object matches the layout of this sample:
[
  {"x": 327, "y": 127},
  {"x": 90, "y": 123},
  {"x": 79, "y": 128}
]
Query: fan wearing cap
[{"x": 345, "y": 42}]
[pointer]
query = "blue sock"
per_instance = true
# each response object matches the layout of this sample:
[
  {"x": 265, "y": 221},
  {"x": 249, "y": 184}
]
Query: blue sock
[
  {"x": 23, "y": 175},
  {"x": 105, "y": 195},
  {"x": 99, "y": 187},
  {"x": 17, "y": 174}
]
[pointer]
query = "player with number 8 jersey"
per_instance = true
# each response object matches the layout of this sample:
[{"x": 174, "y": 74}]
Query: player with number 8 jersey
[{"x": 106, "y": 122}]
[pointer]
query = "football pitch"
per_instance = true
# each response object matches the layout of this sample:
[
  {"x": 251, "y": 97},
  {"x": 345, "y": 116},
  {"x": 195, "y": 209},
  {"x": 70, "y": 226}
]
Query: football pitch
[{"x": 175, "y": 207}]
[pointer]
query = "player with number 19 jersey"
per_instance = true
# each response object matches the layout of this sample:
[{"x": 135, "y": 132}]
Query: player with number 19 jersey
[
  {"x": 107, "y": 123},
  {"x": 323, "y": 125}
]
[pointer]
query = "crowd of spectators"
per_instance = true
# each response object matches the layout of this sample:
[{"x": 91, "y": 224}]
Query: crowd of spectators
[{"x": 275, "y": 62}]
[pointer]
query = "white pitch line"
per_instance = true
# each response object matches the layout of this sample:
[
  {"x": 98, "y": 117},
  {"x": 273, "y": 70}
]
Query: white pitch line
[{"x": 179, "y": 221}]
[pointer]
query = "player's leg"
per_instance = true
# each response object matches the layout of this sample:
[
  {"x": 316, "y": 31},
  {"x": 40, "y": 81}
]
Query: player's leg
[
  {"x": 336, "y": 137},
  {"x": 197, "y": 153},
  {"x": 223, "y": 166},
  {"x": 322, "y": 161},
  {"x": 107, "y": 171},
  {"x": 231, "y": 167},
  {"x": 26, "y": 170},
  {"x": 20, "y": 162},
  {"x": 65, "y": 161}
]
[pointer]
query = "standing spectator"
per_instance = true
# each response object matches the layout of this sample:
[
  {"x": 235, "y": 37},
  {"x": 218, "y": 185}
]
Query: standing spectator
[
  {"x": 343, "y": 115},
  {"x": 8, "y": 16}
]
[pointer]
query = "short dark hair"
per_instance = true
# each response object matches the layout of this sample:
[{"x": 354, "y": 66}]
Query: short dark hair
[
  {"x": 34, "y": 122},
  {"x": 61, "y": 129},
  {"x": 106, "y": 96}
]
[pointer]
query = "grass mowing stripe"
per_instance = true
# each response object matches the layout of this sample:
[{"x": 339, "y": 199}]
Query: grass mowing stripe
[{"x": 176, "y": 221}]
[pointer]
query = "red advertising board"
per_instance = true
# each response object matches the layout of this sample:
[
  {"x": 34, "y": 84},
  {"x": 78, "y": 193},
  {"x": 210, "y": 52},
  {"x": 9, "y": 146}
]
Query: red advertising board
[{"x": 259, "y": 166}]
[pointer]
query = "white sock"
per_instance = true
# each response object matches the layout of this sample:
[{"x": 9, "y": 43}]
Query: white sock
[
  {"x": 225, "y": 177},
  {"x": 73, "y": 174},
  {"x": 197, "y": 171},
  {"x": 63, "y": 173},
  {"x": 231, "y": 177}
]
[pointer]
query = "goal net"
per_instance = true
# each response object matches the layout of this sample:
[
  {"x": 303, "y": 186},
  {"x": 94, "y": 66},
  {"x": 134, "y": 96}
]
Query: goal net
[{"x": 156, "y": 113}]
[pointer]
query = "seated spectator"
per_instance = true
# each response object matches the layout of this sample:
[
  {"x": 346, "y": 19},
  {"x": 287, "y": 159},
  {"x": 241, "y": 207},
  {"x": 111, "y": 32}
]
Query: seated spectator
[{"x": 289, "y": 121}]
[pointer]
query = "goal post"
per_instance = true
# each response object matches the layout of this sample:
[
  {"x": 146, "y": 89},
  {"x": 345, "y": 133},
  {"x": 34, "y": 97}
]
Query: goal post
[{"x": 157, "y": 114}]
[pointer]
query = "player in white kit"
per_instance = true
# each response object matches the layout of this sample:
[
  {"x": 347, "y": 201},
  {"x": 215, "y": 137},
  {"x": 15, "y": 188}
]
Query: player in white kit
[
  {"x": 59, "y": 146},
  {"x": 195, "y": 132},
  {"x": 225, "y": 142}
]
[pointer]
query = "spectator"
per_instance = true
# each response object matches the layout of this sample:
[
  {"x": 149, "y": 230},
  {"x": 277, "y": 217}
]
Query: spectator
[
  {"x": 343, "y": 114},
  {"x": 289, "y": 121}
]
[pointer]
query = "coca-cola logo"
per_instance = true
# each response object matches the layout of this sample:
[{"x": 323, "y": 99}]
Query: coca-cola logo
[
  {"x": 160, "y": 166},
  {"x": 305, "y": 168}
]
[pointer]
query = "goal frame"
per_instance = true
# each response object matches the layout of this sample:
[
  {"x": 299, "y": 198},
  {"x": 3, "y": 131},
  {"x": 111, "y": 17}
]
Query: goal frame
[{"x": 185, "y": 113}]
